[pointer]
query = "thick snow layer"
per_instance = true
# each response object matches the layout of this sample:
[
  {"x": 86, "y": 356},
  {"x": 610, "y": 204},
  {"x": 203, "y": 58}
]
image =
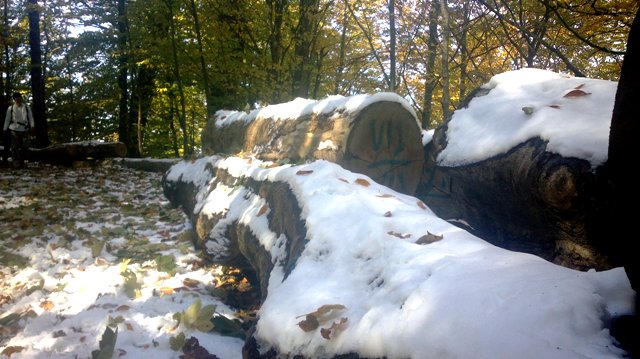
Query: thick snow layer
[
  {"x": 573, "y": 114},
  {"x": 458, "y": 297}
]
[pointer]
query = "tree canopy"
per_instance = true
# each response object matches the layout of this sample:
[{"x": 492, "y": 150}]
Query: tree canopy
[{"x": 150, "y": 73}]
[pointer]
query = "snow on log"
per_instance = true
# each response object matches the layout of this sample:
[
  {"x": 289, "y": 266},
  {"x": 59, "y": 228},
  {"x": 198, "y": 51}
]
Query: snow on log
[
  {"x": 67, "y": 153},
  {"x": 377, "y": 135},
  {"x": 351, "y": 268},
  {"x": 518, "y": 163}
]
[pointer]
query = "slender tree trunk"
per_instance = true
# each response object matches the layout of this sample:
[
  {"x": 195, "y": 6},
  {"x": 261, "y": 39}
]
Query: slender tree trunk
[
  {"x": 203, "y": 66},
  {"x": 431, "y": 79},
  {"x": 172, "y": 126},
  {"x": 392, "y": 47},
  {"x": 463, "y": 52},
  {"x": 343, "y": 44},
  {"x": 182, "y": 116},
  {"x": 124, "y": 126},
  {"x": 304, "y": 34},
  {"x": 37, "y": 81},
  {"x": 446, "y": 98},
  {"x": 276, "y": 10},
  {"x": 6, "y": 79}
]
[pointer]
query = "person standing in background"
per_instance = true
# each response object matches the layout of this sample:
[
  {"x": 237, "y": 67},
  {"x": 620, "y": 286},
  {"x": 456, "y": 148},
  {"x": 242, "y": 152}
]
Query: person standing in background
[{"x": 19, "y": 121}]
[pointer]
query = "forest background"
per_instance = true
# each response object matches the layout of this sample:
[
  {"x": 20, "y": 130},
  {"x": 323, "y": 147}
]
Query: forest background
[{"x": 150, "y": 73}]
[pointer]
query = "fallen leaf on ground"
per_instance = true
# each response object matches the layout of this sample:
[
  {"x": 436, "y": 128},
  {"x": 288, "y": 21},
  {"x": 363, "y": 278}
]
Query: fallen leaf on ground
[
  {"x": 576, "y": 93},
  {"x": 304, "y": 172},
  {"x": 334, "y": 329},
  {"x": 363, "y": 182}
]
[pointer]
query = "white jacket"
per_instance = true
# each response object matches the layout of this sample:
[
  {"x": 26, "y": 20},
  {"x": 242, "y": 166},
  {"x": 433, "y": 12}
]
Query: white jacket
[{"x": 18, "y": 118}]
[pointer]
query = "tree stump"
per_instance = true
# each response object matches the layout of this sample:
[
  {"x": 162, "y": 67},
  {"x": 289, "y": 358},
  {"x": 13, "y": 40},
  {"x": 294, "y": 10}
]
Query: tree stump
[{"x": 377, "y": 135}]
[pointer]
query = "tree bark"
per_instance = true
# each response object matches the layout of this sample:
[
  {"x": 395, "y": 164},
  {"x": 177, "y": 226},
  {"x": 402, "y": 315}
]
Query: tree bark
[
  {"x": 430, "y": 78},
  {"x": 124, "y": 125},
  {"x": 392, "y": 46},
  {"x": 380, "y": 139},
  {"x": 203, "y": 66},
  {"x": 622, "y": 186},
  {"x": 37, "y": 81},
  {"x": 182, "y": 114},
  {"x": 446, "y": 98}
]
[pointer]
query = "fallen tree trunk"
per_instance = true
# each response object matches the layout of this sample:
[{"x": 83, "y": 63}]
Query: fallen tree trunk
[
  {"x": 528, "y": 198},
  {"x": 67, "y": 153},
  {"x": 362, "y": 261},
  {"x": 377, "y": 135},
  {"x": 223, "y": 235}
]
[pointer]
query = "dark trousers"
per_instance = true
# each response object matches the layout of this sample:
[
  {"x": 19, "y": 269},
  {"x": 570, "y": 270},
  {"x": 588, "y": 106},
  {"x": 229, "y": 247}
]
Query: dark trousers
[
  {"x": 19, "y": 144},
  {"x": 6, "y": 146}
]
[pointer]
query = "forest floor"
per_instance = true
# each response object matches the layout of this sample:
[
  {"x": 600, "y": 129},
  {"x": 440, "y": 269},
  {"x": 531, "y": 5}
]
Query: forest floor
[{"x": 94, "y": 260}]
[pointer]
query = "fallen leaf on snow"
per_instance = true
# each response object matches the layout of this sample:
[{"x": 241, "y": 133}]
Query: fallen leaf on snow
[
  {"x": 304, "y": 172},
  {"x": 421, "y": 205},
  {"x": 46, "y": 305},
  {"x": 399, "y": 235},
  {"x": 334, "y": 329},
  {"x": 324, "y": 313},
  {"x": 262, "y": 210},
  {"x": 429, "y": 238},
  {"x": 8, "y": 351},
  {"x": 363, "y": 182},
  {"x": 576, "y": 93}
]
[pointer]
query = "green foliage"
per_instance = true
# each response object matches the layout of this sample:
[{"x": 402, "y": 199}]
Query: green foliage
[
  {"x": 107, "y": 344},
  {"x": 177, "y": 342},
  {"x": 166, "y": 263},
  {"x": 333, "y": 47},
  {"x": 196, "y": 317}
]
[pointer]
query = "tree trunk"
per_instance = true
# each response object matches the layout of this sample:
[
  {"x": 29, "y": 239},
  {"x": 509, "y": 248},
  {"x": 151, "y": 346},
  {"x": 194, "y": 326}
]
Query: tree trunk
[
  {"x": 182, "y": 115},
  {"x": 446, "y": 99},
  {"x": 276, "y": 9},
  {"x": 343, "y": 44},
  {"x": 622, "y": 186},
  {"x": 430, "y": 80},
  {"x": 380, "y": 138},
  {"x": 203, "y": 66},
  {"x": 124, "y": 125},
  {"x": 37, "y": 81},
  {"x": 304, "y": 34},
  {"x": 392, "y": 46}
]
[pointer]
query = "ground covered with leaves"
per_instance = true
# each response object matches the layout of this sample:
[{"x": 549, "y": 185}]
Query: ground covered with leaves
[{"x": 94, "y": 261}]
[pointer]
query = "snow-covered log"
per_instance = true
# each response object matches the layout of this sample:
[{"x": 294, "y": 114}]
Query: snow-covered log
[
  {"x": 377, "y": 135},
  {"x": 67, "y": 153},
  {"x": 352, "y": 269},
  {"x": 518, "y": 163}
]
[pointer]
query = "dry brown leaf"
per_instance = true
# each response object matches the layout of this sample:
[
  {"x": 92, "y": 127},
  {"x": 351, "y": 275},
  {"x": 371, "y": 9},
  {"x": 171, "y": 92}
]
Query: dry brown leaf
[
  {"x": 262, "y": 210},
  {"x": 310, "y": 323},
  {"x": 324, "y": 313},
  {"x": 167, "y": 290},
  {"x": 429, "y": 238},
  {"x": 386, "y": 195},
  {"x": 576, "y": 93},
  {"x": 129, "y": 326},
  {"x": 123, "y": 308},
  {"x": 8, "y": 351},
  {"x": 554, "y": 106},
  {"x": 363, "y": 182},
  {"x": 343, "y": 180},
  {"x": 387, "y": 214},
  {"x": 304, "y": 172},
  {"x": 399, "y": 235},
  {"x": 191, "y": 282},
  {"x": 334, "y": 329},
  {"x": 46, "y": 305},
  {"x": 421, "y": 205}
]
